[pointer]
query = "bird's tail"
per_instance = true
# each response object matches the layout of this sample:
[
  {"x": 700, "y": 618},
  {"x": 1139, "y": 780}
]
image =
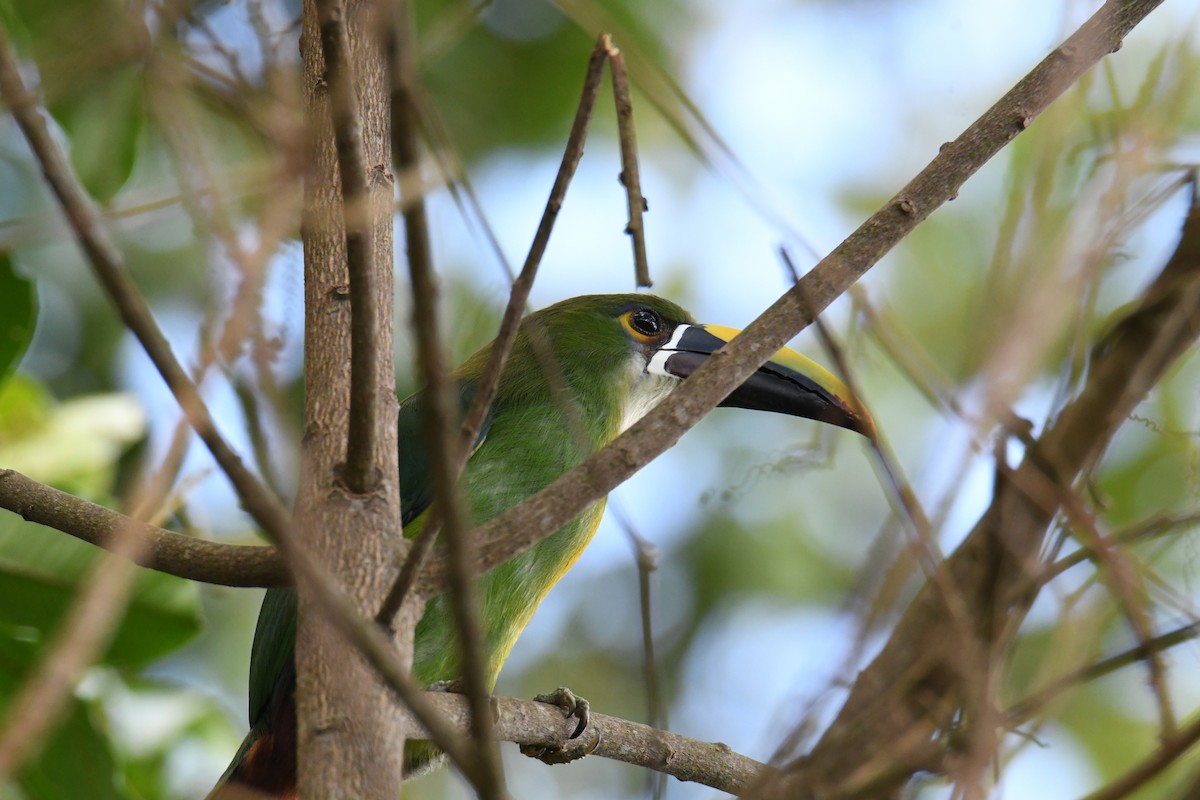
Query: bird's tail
[{"x": 264, "y": 767}]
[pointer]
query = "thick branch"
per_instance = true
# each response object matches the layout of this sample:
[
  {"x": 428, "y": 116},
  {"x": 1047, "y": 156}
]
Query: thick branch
[
  {"x": 108, "y": 263},
  {"x": 162, "y": 550},
  {"x": 520, "y": 528},
  {"x": 914, "y": 688},
  {"x": 339, "y": 702}
]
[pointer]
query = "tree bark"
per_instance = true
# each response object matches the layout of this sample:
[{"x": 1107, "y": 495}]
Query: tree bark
[{"x": 349, "y": 745}]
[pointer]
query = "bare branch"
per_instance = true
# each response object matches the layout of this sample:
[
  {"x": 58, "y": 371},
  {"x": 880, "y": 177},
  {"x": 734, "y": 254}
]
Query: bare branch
[
  {"x": 441, "y": 411},
  {"x": 630, "y": 175},
  {"x": 485, "y": 391},
  {"x": 159, "y": 549},
  {"x": 520, "y": 528},
  {"x": 528, "y": 722}
]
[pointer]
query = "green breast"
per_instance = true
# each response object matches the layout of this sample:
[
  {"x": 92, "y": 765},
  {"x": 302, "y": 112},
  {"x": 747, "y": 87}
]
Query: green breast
[{"x": 527, "y": 447}]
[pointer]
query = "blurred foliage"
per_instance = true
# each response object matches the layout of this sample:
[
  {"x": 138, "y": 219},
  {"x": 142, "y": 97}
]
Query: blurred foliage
[
  {"x": 74, "y": 445},
  {"x": 993, "y": 302},
  {"x": 82, "y": 49},
  {"x": 18, "y": 310},
  {"x": 81, "y": 740}
]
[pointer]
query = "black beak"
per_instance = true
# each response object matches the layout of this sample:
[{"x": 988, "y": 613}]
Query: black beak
[{"x": 787, "y": 384}]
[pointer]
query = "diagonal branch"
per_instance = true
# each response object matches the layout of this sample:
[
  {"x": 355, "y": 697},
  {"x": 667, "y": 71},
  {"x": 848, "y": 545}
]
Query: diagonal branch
[
  {"x": 520, "y": 528},
  {"x": 913, "y": 689}
]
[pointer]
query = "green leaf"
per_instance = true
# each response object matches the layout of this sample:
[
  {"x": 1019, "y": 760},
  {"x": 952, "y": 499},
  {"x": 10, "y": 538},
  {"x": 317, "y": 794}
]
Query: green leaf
[
  {"x": 18, "y": 312},
  {"x": 97, "y": 98},
  {"x": 105, "y": 126},
  {"x": 41, "y": 571},
  {"x": 24, "y": 407},
  {"x": 77, "y": 740},
  {"x": 73, "y": 445},
  {"x": 76, "y": 445}
]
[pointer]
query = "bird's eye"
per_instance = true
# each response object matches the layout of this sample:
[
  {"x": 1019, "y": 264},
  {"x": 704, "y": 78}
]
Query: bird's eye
[{"x": 645, "y": 322}]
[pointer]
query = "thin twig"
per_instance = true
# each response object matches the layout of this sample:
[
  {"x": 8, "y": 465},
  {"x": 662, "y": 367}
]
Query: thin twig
[
  {"x": 265, "y": 508},
  {"x": 360, "y": 471},
  {"x": 1147, "y": 529},
  {"x": 520, "y": 528},
  {"x": 441, "y": 412},
  {"x": 630, "y": 175},
  {"x": 489, "y": 381},
  {"x": 647, "y": 558},
  {"x": 1025, "y": 709},
  {"x": 689, "y": 122},
  {"x": 1129, "y": 588}
]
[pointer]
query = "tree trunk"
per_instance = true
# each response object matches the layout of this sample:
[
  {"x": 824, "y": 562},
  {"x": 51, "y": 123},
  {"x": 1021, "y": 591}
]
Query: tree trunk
[{"x": 349, "y": 745}]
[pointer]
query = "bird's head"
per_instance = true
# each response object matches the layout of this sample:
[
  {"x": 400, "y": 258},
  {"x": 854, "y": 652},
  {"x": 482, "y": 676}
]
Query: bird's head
[{"x": 637, "y": 348}]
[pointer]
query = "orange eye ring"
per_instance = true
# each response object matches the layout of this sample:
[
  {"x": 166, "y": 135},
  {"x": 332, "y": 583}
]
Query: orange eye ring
[{"x": 644, "y": 325}]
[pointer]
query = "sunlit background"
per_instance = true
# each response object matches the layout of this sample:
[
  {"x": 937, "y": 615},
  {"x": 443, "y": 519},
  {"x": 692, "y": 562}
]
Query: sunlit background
[{"x": 771, "y": 534}]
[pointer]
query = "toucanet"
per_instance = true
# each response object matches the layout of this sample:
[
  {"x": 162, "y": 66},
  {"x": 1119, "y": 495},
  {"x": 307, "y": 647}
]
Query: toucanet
[{"x": 581, "y": 371}]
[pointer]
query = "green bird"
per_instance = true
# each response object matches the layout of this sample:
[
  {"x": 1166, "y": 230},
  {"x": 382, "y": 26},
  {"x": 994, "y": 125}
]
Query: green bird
[{"x": 616, "y": 356}]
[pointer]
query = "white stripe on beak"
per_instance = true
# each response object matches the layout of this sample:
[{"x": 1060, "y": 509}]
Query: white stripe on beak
[{"x": 657, "y": 365}]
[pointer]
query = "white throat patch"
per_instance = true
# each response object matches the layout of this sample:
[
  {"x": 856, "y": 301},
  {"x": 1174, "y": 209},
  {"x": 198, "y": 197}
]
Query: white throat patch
[{"x": 646, "y": 390}]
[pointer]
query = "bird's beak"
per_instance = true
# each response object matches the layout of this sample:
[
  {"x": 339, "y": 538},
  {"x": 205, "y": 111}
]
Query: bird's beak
[{"x": 787, "y": 384}]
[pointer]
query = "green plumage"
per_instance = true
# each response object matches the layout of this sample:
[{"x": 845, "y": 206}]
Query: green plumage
[
  {"x": 580, "y": 371},
  {"x": 535, "y": 435}
]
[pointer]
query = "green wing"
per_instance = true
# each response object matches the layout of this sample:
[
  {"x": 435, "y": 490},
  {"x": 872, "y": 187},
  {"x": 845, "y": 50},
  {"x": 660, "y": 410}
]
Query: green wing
[
  {"x": 273, "y": 648},
  {"x": 271, "y": 656},
  {"x": 416, "y": 492}
]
